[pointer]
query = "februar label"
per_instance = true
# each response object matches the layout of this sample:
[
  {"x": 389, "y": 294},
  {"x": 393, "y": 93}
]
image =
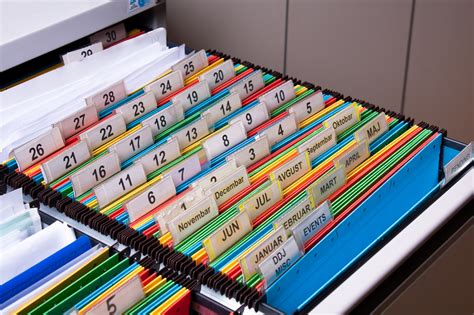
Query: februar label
[
  {"x": 327, "y": 184},
  {"x": 291, "y": 171},
  {"x": 313, "y": 223},
  {"x": 230, "y": 186},
  {"x": 250, "y": 261},
  {"x": 262, "y": 200},
  {"x": 300, "y": 211},
  {"x": 343, "y": 120},
  {"x": 353, "y": 157},
  {"x": 319, "y": 144},
  {"x": 227, "y": 235},
  {"x": 373, "y": 129}
]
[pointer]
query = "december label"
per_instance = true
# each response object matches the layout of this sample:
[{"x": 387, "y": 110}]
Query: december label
[
  {"x": 262, "y": 200},
  {"x": 313, "y": 223},
  {"x": 319, "y": 144},
  {"x": 301, "y": 210},
  {"x": 292, "y": 170},
  {"x": 343, "y": 120},
  {"x": 353, "y": 157},
  {"x": 373, "y": 129},
  {"x": 321, "y": 189},
  {"x": 229, "y": 186}
]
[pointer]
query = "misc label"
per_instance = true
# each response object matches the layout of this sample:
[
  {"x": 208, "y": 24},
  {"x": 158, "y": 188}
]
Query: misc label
[
  {"x": 353, "y": 157},
  {"x": 458, "y": 163},
  {"x": 120, "y": 299},
  {"x": 278, "y": 262},
  {"x": 95, "y": 173},
  {"x": 37, "y": 149},
  {"x": 166, "y": 85},
  {"x": 133, "y": 143},
  {"x": 164, "y": 118},
  {"x": 314, "y": 222},
  {"x": 373, "y": 129},
  {"x": 223, "y": 108},
  {"x": 227, "y": 235},
  {"x": 119, "y": 184},
  {"x": 224, "y": 139},
  {"x": 229, "y": 186},
  {"x": 82, "y": 53},
  {"x": 308, "y": 106},
  {"x": 319, "y": 144},
  {"x": 184, "y": 170},
  {"x": 193, "y": 132},
  {"x": 65, "y": 161},
  {"x": 78, "y": 121},
  {"x": 298, "y": 212},
  {"x": 253, "y": 117},
  {"x": 108, "y": 96},
  {"x": 252, "y": 152},
  {"x": 192, "y": 64},
  {"x": 160, "y": 156},
  {"x": 192, "y": 220},
  {"x": 216, "y": 175},
  {"x": 252, "y": 259},
  {"x": 262, "y": 200},
  {"x": 137, "y": 107},
  {"x": 150, "y": 198},
  {"x": 327, "y": 184},
  {"x": 193, "y": 95},
  {"x": 104, "y": 131},
  {"x": 249, "y": 85},
  {"x": 292, "y": 170},
  {"x": 279, "y": 95},
  {"x": 110, "y": 35},
  {"x": 343, "y": 120},
  {"x": 281, "y": 129},
  {"x": 219, "y": 74}
]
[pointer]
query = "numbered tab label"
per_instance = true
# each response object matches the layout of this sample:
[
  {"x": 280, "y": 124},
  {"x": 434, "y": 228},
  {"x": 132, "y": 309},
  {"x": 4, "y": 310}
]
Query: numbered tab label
[
  {"x": 137, "y": 107},
  {"x": 133, "y": 144},
  {"x": 298, "y": 212},
  {"x": 192, "y": 64},
  {"x": 120, "y": 184},
  {"x": 314, "y": 222},
  {"x": 262, "y": 200},
  {"x": 353, "y": 157},
  {"x": 343, "y": 120},
  {"x": 253, "y": 117},
  {"x": 110, "y": 35},
  {"x": 78, "y": 121},
  {"x": 224, "y": 139},
  {"x": 319, "y": 144},
  {"x": 292, "y": 170},
  {"x": 160, "y": 156},
  {"x": 103, "y": 132},
  {"x": 373, "y": 129},
  {"x": 216, "y": 175},
  {"x": 193, "y": 95},
  {"x": 220, "y": 74},
  {"x": 192, "y": 133},
  {"x": 150, "y": 198},
  {"x": 166, "y": 85},
  {"x": 107, "y": 97},
  {"x": 65, "y": 161},
  {"x": 95, "y": 173},
  {"x": 321, "y": 189},
  {"x": 308, "y": 106},
  {"x": 184, "y": 170},
  {"x": 223, "y": 108},
  {"x": 279, "y": 95},
  {"x": 229, "y": 186},
  {"x": 82, "y": 53},
  {"x": 252, "y": 152},
  {"x": 37, "y": 149},
  {"x": 281, "y": 129},
  {"x": 164, "y": 118},
  {"x": 249, "y": 85}
]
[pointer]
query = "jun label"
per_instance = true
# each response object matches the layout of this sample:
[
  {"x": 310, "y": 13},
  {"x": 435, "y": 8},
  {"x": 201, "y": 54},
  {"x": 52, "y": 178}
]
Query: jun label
[
  {"x": 373, "y": 129},
  {"x": 292, "y": 170},
  {"x": 313, "y": 223}
]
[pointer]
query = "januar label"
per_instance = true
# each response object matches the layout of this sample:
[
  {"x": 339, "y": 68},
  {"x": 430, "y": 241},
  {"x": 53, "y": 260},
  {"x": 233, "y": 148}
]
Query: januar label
[
  {"x": 227, "y": 235},
  {"x": 160, "y": 156},
  {"x": 223, "y": 108},
  {"x": 252, "y": 259},
  {"x": 343, "y": 120},
  {"x": 321, "y": 189},
  {"x": 252, "y": 152},
  {"x": 319, "y": 144},
  {"x": 150, "y": 198},
  {"x": 308, "y": 106},
  {"x": 314, "y": 222},
  {"x": 292, "y": 170},
  {"x": 281, "y": 129},
  {"x": 220, "y": 74},
  {"x": 373, "y": 129},
  {"x": 215, "y": 175},
  {"x": 78, "y": 121},
  {"x": 224, "y": 139},
  {"x": 253, "y": 117},
  {"x": 458, "y": 163},
  {"x": 294, "y": 215},
  {"x": 229, "y": 186},
  {"x": 192, "y": 64},
  {"x": 193, "y": 132},
  {"x": 82, "y": 53},
  {"x": 193, "y": 95},
  {"x": 353, "y": 157},
  {"x": 184, "y": 170},
  {"x": 166, "y": 85},
  {"x": 249, "y": 85},
  {"x": 110, "y": 35},
  {"x": 262, "y": 200},
  {"x": 164, "y": 119},
  {"x": 65, "y": 161},
  {"x": 107, "y": 97},
  {"x": 133, "y": 143},
  {"x": 279, "y": 95},
  {"x": 95, "y": 173},
  {"x": 137, "y": 107},
  {"x": 37, "y": 149},
  {"x": 104, "y": 131}
]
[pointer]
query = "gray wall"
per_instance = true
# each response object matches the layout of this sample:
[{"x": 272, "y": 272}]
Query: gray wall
[{"x": 359, "y": 47}]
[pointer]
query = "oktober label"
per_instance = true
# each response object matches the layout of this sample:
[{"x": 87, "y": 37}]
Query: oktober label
[
  {"x": 343, "y": 120},
  {"x": 252, "y": 259},
  {"x": 353, "y": 157},
  {"x": 321, "y": 189},
  {"x": 227, "y": 235},
  {"x": 373, "y": 129},
  {"x": 262, "y": 200},
  {"x": 292, "y": 170},
  {"x": 313, "y": 223},
  {"x": 298, "y": 212},
  {"x": 319, "y": 144},
  {"x": 230, "y": 186}
]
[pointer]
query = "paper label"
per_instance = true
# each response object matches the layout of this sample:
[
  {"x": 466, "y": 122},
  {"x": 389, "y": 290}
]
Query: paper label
[
  {"x": 224, "y": 139},
  {"x": 193, "y": 132},
  {"x": 279, "y": 95},
  {"x": 252, "y": 259},
  {"x": 262, "y": 200},
  {"x": 133, "y": 143},
  {"x": 150, "y": 198},
  {"x": 249, "y": 85},
  {"x": 281, "y": 129},
  {"x": 192, "y": 220},
  {"x": 65, "y": 161},
  {"x": 104, "y": 131},
  {"x": 220, "y": 74},
  {"x": 327, "y": 184},
  {"x": 298, "y": 212},
  {"x": 78, "y": 121},
  {"x": 308, "y": 106},
  {"x": 252, "y": 152},
  {"x": 223, "y": 108},
  {"x": 279, "y": 261},
  {"x": 343, "y": 120},
  {"x": 459, "y": 162},
  {"x": 192, "y": 64},
  {"x": 193, "y": 95},
  {"x": 137, "y": 107},
  {"x": 160, "y": 156},
  {"x": 95, "y": 173},
  {"x": 292, "y": 170},
  {"x": 353, "y": 157},
  {"x": 184, "y": 170},
  {"x": 373, "y": 129},
  {"x": 166, "y": 85},
  {"x": 229, "y": 186},
  {"x": 37, "y": 149},
  {"x": 110, "y": 35},
  {"x": 164, "y": 118},
  {"x": 216, "y": 175},
  {"x": 108, "y": 96},
  {"x": 314, "y": 222},
  {"x": 319, "y": 144},
  {"x": 253, "y": 117},
  {"x": 227, "y": 235},
  {"x": 82, "y": 53}
]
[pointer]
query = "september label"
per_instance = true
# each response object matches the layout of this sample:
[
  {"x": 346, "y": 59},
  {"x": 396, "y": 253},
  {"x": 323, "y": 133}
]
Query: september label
[{"x": 319, "y": 144}]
